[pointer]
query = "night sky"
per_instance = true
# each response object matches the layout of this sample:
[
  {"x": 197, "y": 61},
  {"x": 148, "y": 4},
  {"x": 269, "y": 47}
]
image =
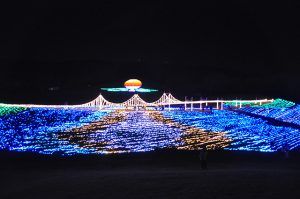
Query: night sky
[{"x": 55, "y": 53}]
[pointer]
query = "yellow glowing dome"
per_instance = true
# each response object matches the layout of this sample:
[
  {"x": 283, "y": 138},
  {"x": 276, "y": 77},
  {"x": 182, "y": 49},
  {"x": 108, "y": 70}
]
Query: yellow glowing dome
[{"x": 133, "y": 84}]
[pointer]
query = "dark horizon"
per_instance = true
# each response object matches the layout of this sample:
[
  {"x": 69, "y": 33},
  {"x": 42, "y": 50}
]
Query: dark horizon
[{"x": 54, "y": 53}]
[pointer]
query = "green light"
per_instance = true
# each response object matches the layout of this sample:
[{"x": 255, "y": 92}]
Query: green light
[
  {"x": 115, "y": 89},
  {"x": 145, "y": 90},
  {"x": 4, "y": 109},
  {"x": 243, "y": 103},
  {"x": 279, "y": 103},
  {"x": 140, "y": 90}
]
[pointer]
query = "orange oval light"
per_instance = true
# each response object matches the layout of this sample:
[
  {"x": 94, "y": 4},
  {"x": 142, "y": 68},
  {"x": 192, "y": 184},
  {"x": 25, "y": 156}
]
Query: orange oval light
[{"x": 133, "y": 84}]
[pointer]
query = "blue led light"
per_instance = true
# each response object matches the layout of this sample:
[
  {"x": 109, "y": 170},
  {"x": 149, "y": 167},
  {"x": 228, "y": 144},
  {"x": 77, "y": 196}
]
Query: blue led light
[
  {"x": 69, "y": 131},
  {"x": 247, "y": 133},
  {"x": 291, "y": 115},
  {"x": 36, "y": 129}
]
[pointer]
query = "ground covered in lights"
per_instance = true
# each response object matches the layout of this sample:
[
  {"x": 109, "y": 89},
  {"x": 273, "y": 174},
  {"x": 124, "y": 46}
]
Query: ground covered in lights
[{"x": 71, "y": 131}]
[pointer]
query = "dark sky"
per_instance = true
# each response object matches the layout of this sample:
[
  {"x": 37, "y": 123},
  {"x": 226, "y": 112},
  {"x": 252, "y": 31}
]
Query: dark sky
[{"x": 226, "y": 49}]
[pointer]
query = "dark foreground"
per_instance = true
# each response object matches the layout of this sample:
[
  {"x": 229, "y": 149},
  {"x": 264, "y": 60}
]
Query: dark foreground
[{"x": 161, "y": 174}]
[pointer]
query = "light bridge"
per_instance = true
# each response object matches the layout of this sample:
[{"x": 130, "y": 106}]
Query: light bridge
[{"x": 166, "y": 101}]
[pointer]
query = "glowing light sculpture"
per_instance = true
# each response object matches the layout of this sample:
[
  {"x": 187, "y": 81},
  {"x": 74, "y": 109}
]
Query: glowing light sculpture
[{"x": 131, "y": 85}]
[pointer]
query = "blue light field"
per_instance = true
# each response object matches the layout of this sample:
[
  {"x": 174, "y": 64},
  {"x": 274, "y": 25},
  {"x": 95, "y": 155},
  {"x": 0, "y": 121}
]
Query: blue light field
[
  {"x": 36, "y": 129},
  {"x": 247, "y": 133},
  {"x": 70, "y": 131}
]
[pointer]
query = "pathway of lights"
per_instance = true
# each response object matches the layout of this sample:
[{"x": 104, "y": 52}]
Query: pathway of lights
[
  {"x": 247, "y": 133},
  {"x": 138, "y": 131},
  {"x": 125, "y": 131}
]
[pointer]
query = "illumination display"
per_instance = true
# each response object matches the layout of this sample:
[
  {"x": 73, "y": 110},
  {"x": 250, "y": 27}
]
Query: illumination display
[
  {"x": 290, "y": 115},
  {"x": 9, "y": 109},
  {"x": 247, "y": 133},
  {"x": 70, "y": 131},
  {"x": 131, "y": 85},
  {"x": 277, "y": 103},
  {"x": 140, "y": 90},
  {"x": 36, "y": 129}
]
